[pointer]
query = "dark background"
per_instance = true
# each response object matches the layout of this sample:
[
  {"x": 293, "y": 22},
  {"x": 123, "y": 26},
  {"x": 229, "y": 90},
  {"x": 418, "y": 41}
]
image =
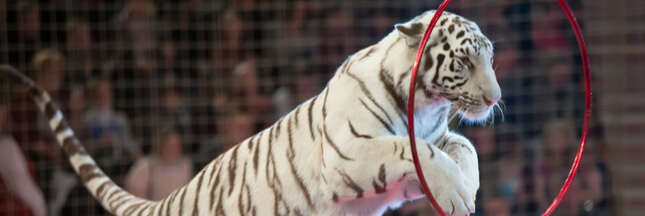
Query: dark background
[{"x": 218, "y": 71}]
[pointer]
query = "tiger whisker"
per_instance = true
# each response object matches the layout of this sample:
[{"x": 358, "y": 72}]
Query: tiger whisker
[
  {"x": 501, "y": 103},
  {"x": 454, "y": 113},
  {"x": 492, "y": 119},
  {"x": 500, "y": 110}
]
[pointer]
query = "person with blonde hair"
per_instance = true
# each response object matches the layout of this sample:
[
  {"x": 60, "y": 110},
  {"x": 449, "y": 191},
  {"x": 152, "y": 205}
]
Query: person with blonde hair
[
  {"x": 28, "y": 125},
  {"x": 49, "y": 69},
  {"x": 30, "y": 129}
]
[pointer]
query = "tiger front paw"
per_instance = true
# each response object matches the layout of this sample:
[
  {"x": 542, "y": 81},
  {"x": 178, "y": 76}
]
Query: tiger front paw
[
  {"x": 452, "y": 191},
  {"x": 463, "y": 154}
]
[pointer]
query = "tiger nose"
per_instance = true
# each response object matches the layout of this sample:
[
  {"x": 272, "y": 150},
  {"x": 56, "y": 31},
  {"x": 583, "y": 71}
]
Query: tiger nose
[{"x": 492, "y": 101}]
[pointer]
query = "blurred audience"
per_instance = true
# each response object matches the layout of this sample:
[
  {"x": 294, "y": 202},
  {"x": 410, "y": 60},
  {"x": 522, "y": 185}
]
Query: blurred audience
[
  {"x": 155, "y": 176},
  {"x": 216, "y": 73},
  {"x": 553, "y": 166}
]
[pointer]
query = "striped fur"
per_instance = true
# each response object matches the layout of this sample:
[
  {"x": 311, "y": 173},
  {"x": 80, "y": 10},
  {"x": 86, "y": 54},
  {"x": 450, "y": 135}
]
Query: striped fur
[{"x": 345, "y": 151}]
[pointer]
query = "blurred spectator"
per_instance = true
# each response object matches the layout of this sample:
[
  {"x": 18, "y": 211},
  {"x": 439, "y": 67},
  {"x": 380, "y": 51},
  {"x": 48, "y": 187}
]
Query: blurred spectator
[
  {"x": 28, "y": 126},
  {"x": 75, "y": 114},
  {"x": 240, "y": 104},
  {"x": 483, "y": 138},
  {"x": 136, "y": 89},
  {"x": 136, "y": 74},
  {"x": 189, "y": 23},
  {"x": 303, "y": 35},
  {"x": 227, "y": 52},
  {"x": 282, "y": 101},
  {"x": 175, "y": 112},
  {"x": 19, "y": 194},
  {"x": 3, "y": 12},
  {"x": 76, "y": 109},
  {"x": 502, "y": 168},
  {"x": 236, "y": 72},
  {"x": 230, "y": 49},
  {"x": 175, "y": 73},
  {"x": 380, "y": 24},
  {"x": 561, "y": 86},
  {"x": 154, "y": 177},
  {"x": 109, "y": 138},
  {"x": 235, "y": 129},
  {"x": 246, "y": 85},
  {"x": 307, "y": 85},
  {"x": 300, "y": 44},
  {"x": 31, "y": 130},
  {"x": 82, "y": 66},
  {"x": 3, "y": 28},
  {"x": 508, "y": 72},
  {"x": 26, "y": 39},
  {"x": 231, "y": 129},
  {"x": 338, "y": 40},
  {"x": 497, "y": 206},
  {"x": 252, "y": 15},
  {"x": 168, "y": 63},
  {"x": 512, "y": 165},
  {"x": 53, "y": 15},
  {"x": 138, "y": 23},
  {"x": 304, "y": 14},
  {"x": 555, "y": 94},
  {"x": 420, "y": 207},
  {"x": 553, "y": 167},
  {"x": 546, "y": 29},
  {"x": 494, "y": 22}
]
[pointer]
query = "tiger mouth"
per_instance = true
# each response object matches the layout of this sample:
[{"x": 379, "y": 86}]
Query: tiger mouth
[
  {"x": 476, "y": 109},
  {"x": 474, "y": 112}
]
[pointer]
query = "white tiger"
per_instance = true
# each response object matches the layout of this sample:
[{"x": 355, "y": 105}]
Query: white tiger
[{"x": 345, "y": 151}]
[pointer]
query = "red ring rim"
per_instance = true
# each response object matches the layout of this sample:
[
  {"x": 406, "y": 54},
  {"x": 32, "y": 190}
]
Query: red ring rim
[{"x": 587, "y": 114}]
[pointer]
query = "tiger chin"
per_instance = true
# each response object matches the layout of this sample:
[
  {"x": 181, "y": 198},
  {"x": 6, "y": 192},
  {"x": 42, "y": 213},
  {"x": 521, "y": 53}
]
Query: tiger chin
[{"x": 344, "y": 151}]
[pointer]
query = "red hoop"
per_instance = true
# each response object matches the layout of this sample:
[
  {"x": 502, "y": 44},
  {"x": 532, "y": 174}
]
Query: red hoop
[{"x": 587, "y": 115}]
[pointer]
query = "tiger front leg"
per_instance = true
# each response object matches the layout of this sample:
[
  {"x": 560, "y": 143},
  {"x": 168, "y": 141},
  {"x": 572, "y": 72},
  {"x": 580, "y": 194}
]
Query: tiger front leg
[
  {"x": 462, "y": 151},
  {"x": 370, "y": 167}
]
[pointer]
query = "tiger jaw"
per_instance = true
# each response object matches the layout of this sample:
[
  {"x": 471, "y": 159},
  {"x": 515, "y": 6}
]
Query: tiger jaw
[{"x": 474, "y": 112}]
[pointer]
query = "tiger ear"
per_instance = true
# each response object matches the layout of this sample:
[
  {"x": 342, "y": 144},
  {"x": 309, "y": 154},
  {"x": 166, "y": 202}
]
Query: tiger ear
[{"x": 412, "y": 32}]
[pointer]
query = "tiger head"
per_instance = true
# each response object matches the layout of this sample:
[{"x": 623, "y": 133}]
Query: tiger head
[{"x": 457, "y": 63}]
